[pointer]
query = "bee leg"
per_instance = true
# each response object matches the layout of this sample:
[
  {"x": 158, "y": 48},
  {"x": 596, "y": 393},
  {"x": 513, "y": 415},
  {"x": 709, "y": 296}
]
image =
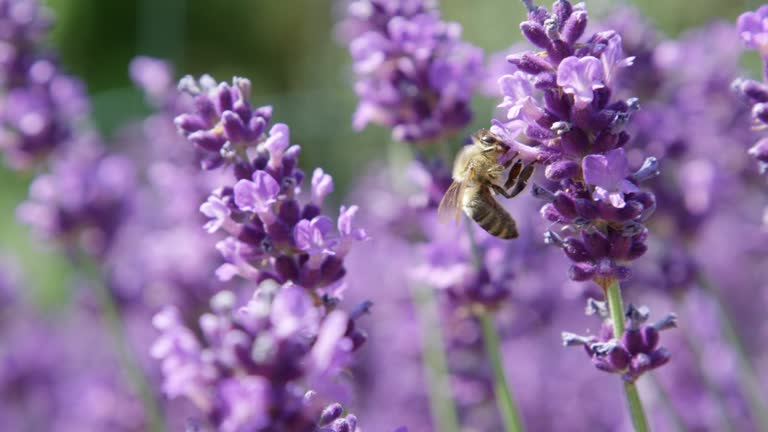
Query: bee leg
[
  {"x": 514, "y": 173},
  {"x": 522, "y": 181},
  {"x": 500, "y": 190}
]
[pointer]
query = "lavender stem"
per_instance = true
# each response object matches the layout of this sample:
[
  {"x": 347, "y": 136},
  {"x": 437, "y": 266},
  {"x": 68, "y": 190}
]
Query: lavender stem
[
  {"x": 504, "y": 400},
  {"x": 435, "y": 363},
  {"x": 127, "y": 359},
  {"x": 616, "y": 309},
  {"x": 749, "y": 381}
]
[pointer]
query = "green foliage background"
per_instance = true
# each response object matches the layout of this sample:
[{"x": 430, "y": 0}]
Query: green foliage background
[{"x": 288, "y": 51}]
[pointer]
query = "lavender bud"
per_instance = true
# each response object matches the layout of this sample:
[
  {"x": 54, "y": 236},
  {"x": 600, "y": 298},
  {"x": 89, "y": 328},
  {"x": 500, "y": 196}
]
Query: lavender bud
[
  {"x": 553, "y": 239},
  {"x": 551, "y": 27},
  {"x": 562, "y": 9},
  {"x": 660, "y": 357},
  {"x": 618, "y": 357},
  {"x": 650, "y": 338},
  {"x": 595, "y": 307},
  {"x": 535, "y": 33},
  {"x": 582, "y": 271},
  {"x": 668, "y": 322},
  {"x": 571, "y": 339},
  {"x": 330, "y": 414},
  {"x": 565, "y": 205},
  {"x": 574, "y": 26},
  {"x": 541, "y": 193},
  {"x": 760, "y": 111},
  {"x": 530, "y": 63},
  {"x": 759, "y": 151},
  {"x": 560, "y": 127},
  {"x": 648, "y": 170},
  {"x": 757, "y": 92},
  {"x": 561, "y": 170}
]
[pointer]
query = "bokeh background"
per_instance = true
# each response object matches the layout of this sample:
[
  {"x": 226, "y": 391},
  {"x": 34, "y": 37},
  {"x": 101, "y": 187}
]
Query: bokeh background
[{"x": 287, "y": 49}]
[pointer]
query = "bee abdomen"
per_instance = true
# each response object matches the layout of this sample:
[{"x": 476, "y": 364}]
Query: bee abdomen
[{"x": 484, "y": 210}]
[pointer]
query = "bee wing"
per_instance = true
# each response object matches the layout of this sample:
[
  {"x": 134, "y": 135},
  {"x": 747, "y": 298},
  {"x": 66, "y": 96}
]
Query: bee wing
[{"x": 450, "y": 205}]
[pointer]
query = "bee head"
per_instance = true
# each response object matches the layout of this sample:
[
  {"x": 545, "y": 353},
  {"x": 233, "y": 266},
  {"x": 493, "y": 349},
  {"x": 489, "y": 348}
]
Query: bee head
[{"x": 490, "y": 142}]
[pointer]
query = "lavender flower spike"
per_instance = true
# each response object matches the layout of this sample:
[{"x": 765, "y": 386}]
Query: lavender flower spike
[
  {"x": 637, "y": 351},
  {"x": 256, "y": 367},
  {"x": 577, "y": 127},
  {"x": 560, "y": 113},
  {"x": 40, "y": 106},
  {"x": 271, "y": 233},
  {"x": 414, "y": 73}
]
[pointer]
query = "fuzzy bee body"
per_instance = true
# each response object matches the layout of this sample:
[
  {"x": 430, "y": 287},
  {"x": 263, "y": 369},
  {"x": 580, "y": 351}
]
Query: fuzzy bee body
[{"x": 475, "y": 174}]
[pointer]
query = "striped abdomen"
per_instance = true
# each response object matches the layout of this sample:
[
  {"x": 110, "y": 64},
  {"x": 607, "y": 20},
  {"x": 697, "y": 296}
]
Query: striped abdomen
[{"x": 486, "y": 211}]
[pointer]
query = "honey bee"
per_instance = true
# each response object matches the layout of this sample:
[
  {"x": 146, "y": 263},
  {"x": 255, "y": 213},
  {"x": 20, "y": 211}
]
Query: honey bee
[{"x": 475, "y": 175}]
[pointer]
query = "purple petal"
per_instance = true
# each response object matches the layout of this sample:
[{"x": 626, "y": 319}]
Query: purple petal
[
  {"x": 325, "y": 352},
  {"x": 256, "y": 195},
  {"x": 346, "y": 224},
  {"x": 580, "y": 77},
  {"x": 279, "y": 140},
  {"x": 217, "y": 211},
  {"x": 293, "y": 312},
  {"x": 322, "y": 185}
]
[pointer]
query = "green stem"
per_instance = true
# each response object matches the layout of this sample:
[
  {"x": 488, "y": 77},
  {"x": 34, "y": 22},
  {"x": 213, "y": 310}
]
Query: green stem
[
  {"x": 749, "y": 381},
  {"x": 441, "y": 403},
  {"x": 636, "y": 407},
  {"x": 127, "y": 359},
  {"x": 616, "y": 309},
  {"x": 504, "y": 399}
]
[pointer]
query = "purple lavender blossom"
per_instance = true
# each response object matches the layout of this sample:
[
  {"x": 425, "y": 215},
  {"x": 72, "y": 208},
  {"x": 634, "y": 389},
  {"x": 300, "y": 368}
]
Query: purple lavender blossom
[
  {"x": 271, "y": 234},
  {"x": 635, "y": 353},
  {"x": 257, "y": 367},
  {"x": 40, "y": 104},
  {"x": 560, "y": 114},
  {"x": 753, "y": 30},
  {"x": 414, "y": 73},
  {"x": 83, "y": 200}
]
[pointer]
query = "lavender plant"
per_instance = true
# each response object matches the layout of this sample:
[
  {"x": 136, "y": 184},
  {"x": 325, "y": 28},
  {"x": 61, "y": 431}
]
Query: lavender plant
[
  {"x": 270, "y": 364},
  {"x": 40, "y": 104},
  {"x": 561, "y": 112},
  {"x": 413, "y": 72}
]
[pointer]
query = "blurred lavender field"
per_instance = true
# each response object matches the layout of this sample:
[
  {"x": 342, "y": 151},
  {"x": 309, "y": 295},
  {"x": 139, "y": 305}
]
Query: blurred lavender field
[{"x": 223, "y": 217}]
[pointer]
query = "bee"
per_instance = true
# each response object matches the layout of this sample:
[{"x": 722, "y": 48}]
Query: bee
[{"x": 476, "y": 172}]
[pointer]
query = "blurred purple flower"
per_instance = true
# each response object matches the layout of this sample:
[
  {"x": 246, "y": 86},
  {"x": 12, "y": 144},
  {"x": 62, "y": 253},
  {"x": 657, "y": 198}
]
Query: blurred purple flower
[
  {"x": 41, "y": 106},
  {"x": 753, "y": 29},
  {"x": 414, "y": 74},
  {"x": 256, "y": 363}
]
